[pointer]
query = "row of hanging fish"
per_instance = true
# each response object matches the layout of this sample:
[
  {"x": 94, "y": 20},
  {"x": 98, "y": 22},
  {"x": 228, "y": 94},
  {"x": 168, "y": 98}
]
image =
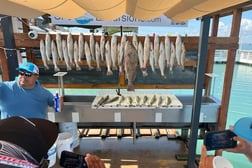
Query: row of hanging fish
[
  {"x": 133, "y": 101},
  {"x": 117, "y": 55},
  {"x": 112, "y": 52}
]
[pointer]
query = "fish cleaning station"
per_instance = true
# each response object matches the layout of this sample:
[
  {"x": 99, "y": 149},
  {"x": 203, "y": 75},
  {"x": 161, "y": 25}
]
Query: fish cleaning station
[{"x": 134, "y": 75}]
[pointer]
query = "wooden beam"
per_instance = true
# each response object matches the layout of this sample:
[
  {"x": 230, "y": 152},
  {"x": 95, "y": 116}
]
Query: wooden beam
[
  {"x": 210, "y": 55},
  {"x": 4, "y": 65},
  {"x": 229, "y": 71}
]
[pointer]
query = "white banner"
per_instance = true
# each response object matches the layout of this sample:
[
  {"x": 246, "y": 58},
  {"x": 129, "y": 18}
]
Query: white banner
[{"x": 124, "y": 20}]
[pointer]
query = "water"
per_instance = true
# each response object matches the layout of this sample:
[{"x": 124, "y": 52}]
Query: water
[{"x": 240, "y": 104}]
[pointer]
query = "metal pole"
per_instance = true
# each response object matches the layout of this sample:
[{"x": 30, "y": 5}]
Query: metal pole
[{"x": 202, "y": 54}]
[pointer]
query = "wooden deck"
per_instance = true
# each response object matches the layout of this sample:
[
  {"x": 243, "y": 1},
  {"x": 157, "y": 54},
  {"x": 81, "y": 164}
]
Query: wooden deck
[
  {"x": 146, "y": 152},
  {"x": 153, "y": 148}
]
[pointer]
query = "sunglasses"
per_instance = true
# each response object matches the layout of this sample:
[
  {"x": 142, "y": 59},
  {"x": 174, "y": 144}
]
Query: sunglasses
[{"x": 28, "y": 74}]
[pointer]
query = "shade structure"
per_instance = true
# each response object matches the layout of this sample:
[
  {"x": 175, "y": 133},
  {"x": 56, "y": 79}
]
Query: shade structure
[{"x": 178, "y": 10}]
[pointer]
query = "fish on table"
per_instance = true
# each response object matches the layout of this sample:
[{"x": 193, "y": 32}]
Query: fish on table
[
  {"x": 121, "y": 100},
  {"x": 101, "y": 100},
  {"x": 130, "y": 64},
  {"x": 43, "y": 54},
  {"x": 166, "y": 101},
  {"x": 159, "y": 101},
  {"x": 65, "y": 55},
  {"x": 144, "y": 100},
  {"x": 54, "y": 56},
  {"x": 59, "y": 45},
  {"x": 76, "y": 56},
  {"x": 108, "y": 58},
  {"x": 151, "y": 100},
  {"x": 136, "y": 100}
]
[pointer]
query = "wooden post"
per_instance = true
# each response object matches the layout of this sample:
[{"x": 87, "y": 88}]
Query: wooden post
[{"x": 210, "y": 56}]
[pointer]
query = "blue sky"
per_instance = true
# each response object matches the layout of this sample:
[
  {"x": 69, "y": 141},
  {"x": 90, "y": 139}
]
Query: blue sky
[{"x": 194, "y": 26}]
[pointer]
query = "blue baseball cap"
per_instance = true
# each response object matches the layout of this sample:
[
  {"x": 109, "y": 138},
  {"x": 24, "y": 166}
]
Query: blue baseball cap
[
  {"x": 29, "y": 67},
  {"x": 243, "y": 128}
]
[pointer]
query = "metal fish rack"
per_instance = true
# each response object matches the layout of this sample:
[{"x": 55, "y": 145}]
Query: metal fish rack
[{"x": 136, "y": 101}]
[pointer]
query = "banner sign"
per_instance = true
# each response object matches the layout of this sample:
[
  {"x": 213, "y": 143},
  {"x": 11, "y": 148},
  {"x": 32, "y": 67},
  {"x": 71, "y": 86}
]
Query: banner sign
[{"x": 124, "y": 20}]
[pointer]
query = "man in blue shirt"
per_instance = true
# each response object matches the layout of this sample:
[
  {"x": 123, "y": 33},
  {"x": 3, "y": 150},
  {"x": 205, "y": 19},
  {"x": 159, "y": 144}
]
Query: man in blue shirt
[{"x": 24, "y": 96}]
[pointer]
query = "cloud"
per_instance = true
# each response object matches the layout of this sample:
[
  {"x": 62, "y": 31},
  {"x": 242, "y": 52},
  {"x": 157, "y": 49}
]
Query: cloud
[{"x": 223, "y": 29}]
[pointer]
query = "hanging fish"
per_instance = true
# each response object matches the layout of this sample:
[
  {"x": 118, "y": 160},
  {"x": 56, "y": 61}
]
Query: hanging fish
[
  {"x": 161, "y": 59},
  {"x": 102, "y": 47},
  {"x": 121, "y": 54},
  {"x": 43, "y": 54},
  {"x": 167, "y": 50},
  {"x": 130, "y": 64},
  {"x": 114, "y": 52},
  {"x": 88, "y": 56},
  {"x": 118, "y": 53},
  {"x": 183, "y": 55},
  {"x": 178, "y": 48},
  {"x": 48, "y": 47},
  {"x": 156, "y": 50},
  {"x": 173, "y": 56},
  {"x": 54, "y": 56},
  {"x": 65, "y": 55},
  {"x": 108, "y": 58},
  {"x": 135, "y": 41},
  {"x": 92, "y": 46},
  {"x": 70, "y": 48},
  {"x": 151, "y": 59},
  {"x": 76, "y": 56},
  {"x": 140, "y": 52},
  {"x": 59, "y": 45},
  {"x": 81, "y": 47},
  {"x": 97, "y": 56},
  {"x": 146, "y": 54}
]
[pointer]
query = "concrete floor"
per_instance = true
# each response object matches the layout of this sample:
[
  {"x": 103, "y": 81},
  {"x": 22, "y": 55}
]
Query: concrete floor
[{"x": 146, "y": 152}]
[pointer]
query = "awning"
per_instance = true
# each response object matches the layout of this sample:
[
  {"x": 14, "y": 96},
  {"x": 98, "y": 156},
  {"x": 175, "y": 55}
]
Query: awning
[{"x": 178, "y": 10}]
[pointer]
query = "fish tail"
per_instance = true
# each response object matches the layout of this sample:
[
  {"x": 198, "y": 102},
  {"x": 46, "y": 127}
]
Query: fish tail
[{"x": 130, "y": 87}]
